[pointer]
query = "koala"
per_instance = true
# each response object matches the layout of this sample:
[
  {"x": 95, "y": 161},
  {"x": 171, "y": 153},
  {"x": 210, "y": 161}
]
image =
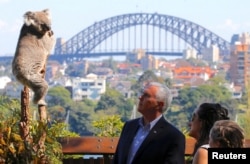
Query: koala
[{"x": 35, "y": 42}]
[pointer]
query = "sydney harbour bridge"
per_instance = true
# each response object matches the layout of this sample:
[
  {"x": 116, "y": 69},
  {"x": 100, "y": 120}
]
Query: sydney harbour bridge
[{"x": 155, "y": 33}]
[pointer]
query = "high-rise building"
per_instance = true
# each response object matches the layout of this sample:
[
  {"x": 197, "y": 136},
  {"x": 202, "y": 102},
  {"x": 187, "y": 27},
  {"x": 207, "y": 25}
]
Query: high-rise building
[
  {"x": 59, "y": 42},
  {"x": 245, "y": 38},
  {"x": 136, "y": 55},
  {"x": 149, "y": 62},
  {"x": 190, "y": 53},
  {"x": 240, "y": 64},
  {"x": 211, "y": 54}
]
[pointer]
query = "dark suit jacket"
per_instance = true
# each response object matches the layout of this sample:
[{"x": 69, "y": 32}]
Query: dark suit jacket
[{"x": 164, "y": 144}]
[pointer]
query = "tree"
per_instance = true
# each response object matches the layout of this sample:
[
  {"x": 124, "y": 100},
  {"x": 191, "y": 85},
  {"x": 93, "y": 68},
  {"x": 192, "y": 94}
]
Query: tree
[
  {"x": 196, "y": 62},
  {"x": 115, "y": 101},
  {"x": 6, "y": 103},
  {"x": 146, "y": 77},
  {"x": 109, "y": 126},
  {"x": 190, "y": 98},
  {"x": 75, "y": 69},
  {"x": 108, "y": 99},
  {"x": 80, "y": 118},
  {"x": 110, "y": 63},
  {"x": 217, "y": 80},
  {"x": 76, "y": 114},
  {"x": 59, "y": 96},
  {"x": 168, "y": 82},
  {"x": 14, "y": 149},
  {"x": 244, "y": 120}
]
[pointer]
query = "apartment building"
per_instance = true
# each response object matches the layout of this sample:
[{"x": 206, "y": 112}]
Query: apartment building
[
  {"x": 136, "y": 55},
  {"x": 211, "y": 54},
  {"x": 149, "y": 62},
  {"x": 240, "y": 64},
  {"x": 90, "y": 87},
  {"x": 239, "y": 70},
  {"x": 189, "y": 53}
]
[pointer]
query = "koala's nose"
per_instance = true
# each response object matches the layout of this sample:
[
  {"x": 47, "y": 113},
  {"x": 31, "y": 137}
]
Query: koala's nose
[{"x": 45, "y": 27}]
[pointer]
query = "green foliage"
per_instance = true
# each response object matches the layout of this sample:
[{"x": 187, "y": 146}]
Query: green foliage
[
  {"x": 217, "y": 80},
  {"x": 168, "y": 82},
  {"x": 113, "y": 99},
  {"x": 190, "y": 98},
  {"x": 75, "y": 69},
  {"x": 80, "y": 122},
  {"x": 109, "y": 126},
  {"x": 7, "y": 103},
  {"x": 77, "y": 117},
  {"x": 62, "y": 106},
  {"x": 13, "y": 149},
  {"x": 196, "y": 62},
  {"x": 57, "y": 113},
  {"x": 110, "y": 63},
  {"x": 59, "y": 96},
  {"x": 147, "y": 76},
  {"x": 244, "y": 121}
]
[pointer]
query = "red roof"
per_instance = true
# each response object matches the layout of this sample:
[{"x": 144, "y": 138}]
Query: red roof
[{"x": 189, "y": 72}]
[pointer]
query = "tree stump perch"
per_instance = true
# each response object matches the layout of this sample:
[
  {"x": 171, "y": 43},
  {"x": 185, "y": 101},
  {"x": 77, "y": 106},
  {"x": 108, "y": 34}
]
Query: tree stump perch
[
  {"x": 24, "y": 125},
  {"x": 24, "y": 122}
]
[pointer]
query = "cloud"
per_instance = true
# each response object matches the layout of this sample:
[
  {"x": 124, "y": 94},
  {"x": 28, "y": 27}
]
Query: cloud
[
  {"x": 228, "y": 24},
  {"x": 229, "y": 27}
]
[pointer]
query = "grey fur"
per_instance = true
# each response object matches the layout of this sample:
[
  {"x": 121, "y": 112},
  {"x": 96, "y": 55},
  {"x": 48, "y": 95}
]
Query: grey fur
[{"x": 34, "y": 45}]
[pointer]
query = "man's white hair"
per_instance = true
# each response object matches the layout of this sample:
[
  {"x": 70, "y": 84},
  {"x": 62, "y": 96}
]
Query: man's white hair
[{"x": 163, "y": 94}]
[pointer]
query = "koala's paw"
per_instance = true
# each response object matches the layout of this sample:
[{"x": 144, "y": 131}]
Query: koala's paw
[
  {"x": 50, "y": 33},
  {"x": 42, "y": 103}
]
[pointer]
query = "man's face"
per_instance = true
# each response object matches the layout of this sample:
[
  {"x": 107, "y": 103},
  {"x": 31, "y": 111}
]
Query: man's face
[{"x": 147, "y": 100}]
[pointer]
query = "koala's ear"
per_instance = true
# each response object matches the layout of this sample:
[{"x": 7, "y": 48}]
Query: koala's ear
[
  {"x": 29, "y": 18},
  {"x": 46, "y": 11}
]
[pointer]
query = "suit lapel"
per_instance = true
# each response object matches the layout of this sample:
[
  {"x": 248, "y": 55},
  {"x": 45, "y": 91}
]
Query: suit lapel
[
  {"x": 132, "y": 132},
  {"x": 133, "y": 127},
  {"x": 154, "y": 132}
]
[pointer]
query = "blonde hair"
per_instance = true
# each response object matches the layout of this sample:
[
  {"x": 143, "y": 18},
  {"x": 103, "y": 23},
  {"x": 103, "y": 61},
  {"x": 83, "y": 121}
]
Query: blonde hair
[{"x": 228, "y": 134}]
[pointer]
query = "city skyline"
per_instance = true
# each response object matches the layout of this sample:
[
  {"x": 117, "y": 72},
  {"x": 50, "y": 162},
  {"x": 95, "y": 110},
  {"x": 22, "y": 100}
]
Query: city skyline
[{"x": 224, "y": 18}]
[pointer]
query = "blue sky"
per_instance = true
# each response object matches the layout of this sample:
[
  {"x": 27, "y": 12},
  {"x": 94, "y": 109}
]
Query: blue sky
[{"x": 223, "y": 17}]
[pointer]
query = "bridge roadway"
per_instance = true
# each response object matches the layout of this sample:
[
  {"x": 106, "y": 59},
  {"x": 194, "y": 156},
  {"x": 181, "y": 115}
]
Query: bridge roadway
[{"x": 71, "y": 57}]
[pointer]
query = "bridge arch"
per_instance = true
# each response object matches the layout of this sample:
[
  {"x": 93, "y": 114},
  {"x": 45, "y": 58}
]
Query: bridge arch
[{"x": 195, "y": 35}]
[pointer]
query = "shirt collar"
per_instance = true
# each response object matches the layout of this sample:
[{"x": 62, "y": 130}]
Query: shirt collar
[{"x": 151, "y": 124}]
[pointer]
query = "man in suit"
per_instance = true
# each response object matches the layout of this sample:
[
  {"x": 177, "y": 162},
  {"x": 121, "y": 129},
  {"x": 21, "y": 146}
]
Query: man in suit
[{"x": 151, "y": 139}]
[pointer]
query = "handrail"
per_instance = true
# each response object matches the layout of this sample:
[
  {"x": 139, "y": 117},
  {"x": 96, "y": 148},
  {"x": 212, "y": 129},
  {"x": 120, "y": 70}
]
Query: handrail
[
  {"x": 104, "y": 146},
  {"x": 101, "y": 145}
]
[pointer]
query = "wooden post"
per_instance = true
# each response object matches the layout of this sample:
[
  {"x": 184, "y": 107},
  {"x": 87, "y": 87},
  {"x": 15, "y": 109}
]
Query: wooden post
[
  {"x": 41, "y": 148},
  {"x": 24, "y": 125},
  {"x": 42, "y": 113},
  {"x": 24, "y": 122},
  {"x": 43, "y": 119}
]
